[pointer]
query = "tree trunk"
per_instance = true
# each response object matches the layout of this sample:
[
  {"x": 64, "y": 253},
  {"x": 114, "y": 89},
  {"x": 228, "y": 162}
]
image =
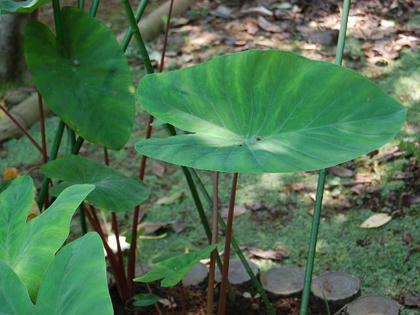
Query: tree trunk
[{"x": 12, "y": 64}]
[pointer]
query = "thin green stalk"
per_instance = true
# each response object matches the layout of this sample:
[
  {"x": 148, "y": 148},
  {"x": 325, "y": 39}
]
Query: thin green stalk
[
  {"x": 53, "y": 155},
  {"x": 94, "y": 7},
  {"x": 321, "y": 181},
  {"x": 137, "y": 36},
  {"x": 83, "y": 224},
  {"x": 129, "y": 34},
  {"x": 77, "y": 145},
  {"x": 81, "y": 4},
  {"x": 71, "y": 139},
  {"x": 236, "y": 247},
  {"x": 58, "y": 22}
]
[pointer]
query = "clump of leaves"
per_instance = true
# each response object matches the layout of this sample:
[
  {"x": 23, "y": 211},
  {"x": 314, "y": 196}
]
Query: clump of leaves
[{"x": 29, "y": 269}]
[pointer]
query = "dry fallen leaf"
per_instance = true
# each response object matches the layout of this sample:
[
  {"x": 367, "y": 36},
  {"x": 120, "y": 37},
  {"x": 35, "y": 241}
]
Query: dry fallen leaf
[
  {"x": 297, "y": 186},
  {"x": 407, "y": 238},
  {"x": 278, "y": 254},
  {"x": 170, "y": 199},
  {"x": 340, "y": 171},
  {"x": 376, "y": 220},
  {"x": 33, "y": 212},
  {"x": 158, "y": 168},
  {"x": 152, "y": 227},
  {"x": 10, "y": 172},
  {"x": 178, "y": 226},
  {"x": 268, "y": 26},
  {"x": 239, "y": 209}
]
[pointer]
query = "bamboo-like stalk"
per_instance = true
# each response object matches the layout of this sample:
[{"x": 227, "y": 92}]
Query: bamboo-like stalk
[
  {"x": 129, "y": 34},
  {"x": 210, "y": 286},
  {"x": 236, "y": 247},
  {"x": 81, "y": 4},
  {"x": 226, "y": 254},
  {"x": 321, "y": 181}
]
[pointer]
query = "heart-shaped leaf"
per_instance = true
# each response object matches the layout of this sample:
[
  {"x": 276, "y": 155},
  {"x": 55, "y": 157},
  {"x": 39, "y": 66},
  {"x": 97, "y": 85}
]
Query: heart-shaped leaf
[
  {"x": 113, "y": 190},
  {"x": 65, "y": 288},
  {"x": 86, "y": 82},
  {"x": 28, "y": 248},
  {"x": 173, "y": 269},
  {"x": 267, "y": 111},
  {"x": 27, "y": 6}
]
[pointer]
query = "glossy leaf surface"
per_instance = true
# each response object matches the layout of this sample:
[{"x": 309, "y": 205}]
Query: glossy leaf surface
[
  {"x": 27, "y": 6},
  {"x": 29, "y": 247},
  {"x": 173, "y": 269},
  {"x": 113, "y": 190},
  {"x": 87, "y": 82},
  {"x": 267, "y": 111},
  {"x": 65, "y": 288}
]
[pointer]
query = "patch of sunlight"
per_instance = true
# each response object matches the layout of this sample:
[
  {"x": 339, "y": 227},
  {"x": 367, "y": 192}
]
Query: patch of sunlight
[
  {"x": 270, "y": 181},
  {"x": 321, "y": 245},
  {"x": 340, "y": 218},
  {"x": 264, "y": 264}
]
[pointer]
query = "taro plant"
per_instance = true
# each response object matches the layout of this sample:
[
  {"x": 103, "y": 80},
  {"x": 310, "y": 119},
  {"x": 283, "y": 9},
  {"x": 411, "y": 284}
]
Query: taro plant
[
  {"x": 266, "y": 112},
  {"x": 83, "y": 76},
  {"x": 33, "y": 279}
]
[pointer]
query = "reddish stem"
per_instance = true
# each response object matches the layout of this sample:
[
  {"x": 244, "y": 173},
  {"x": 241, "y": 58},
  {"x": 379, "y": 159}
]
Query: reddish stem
[
  {"x": 215, "y": 222},
  {"x": 133, "y": 244},
  {"x": 136, "y": 215},
  {"x": 165, "y": 41},
  {"x": 119, "y": 278},
  {"x": 42, "y": 124},
  {"x": 23, "y": 129},
  {"x": 117, "y": 237},
  {"x": 223, "y": 286}
]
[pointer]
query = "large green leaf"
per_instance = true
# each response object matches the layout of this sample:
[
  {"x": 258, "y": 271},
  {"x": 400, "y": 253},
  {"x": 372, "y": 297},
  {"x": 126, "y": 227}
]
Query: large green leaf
[
  {"x": 66, "y": 289},
  {"x": 173, "y": 269},
  {"x": 14, "y": 298},
  {"x": 87, "y": 82},
  {"x": 27, "y": 6},
  {"x": 113, "y": 190},
  {"x": 75, "y": 283},
  {"x": 267, "y": 111},
  {"x": 28, "y": 248}
]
